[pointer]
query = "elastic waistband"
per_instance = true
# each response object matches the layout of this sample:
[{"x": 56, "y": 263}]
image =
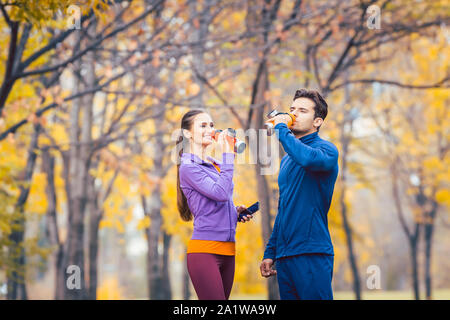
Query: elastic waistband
[{"x": 216, "y": 235}]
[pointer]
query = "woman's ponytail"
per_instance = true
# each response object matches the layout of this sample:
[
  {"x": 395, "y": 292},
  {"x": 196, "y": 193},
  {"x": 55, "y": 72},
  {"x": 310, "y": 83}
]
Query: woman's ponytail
[
  {"x": 186, "y": 123},
  {"x": 182, "y": 204}
]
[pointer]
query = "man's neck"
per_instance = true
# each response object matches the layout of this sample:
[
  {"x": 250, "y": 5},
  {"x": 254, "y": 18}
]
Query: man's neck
[{"x": 299, "y": 135}]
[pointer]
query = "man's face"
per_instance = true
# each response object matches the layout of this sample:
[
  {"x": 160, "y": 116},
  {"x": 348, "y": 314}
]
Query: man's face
[{"x": 303, "y": 110}]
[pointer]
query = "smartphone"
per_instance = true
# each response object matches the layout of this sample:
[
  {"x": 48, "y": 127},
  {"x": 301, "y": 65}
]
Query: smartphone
[{"x": 250, "y": 210}]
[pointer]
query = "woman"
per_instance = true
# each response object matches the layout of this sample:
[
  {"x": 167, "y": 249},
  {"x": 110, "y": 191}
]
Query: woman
[{"x": 205, "y": 190}]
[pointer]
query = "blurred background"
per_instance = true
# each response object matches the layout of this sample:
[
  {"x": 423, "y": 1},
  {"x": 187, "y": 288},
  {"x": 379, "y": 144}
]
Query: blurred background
[{"x": 93, "y": 91}]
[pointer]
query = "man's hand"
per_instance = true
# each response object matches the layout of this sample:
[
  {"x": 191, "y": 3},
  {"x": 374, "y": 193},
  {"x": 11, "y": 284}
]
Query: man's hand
[
  {"x": 281, "y": 118},
  {"x": 248, "y": 217},
  {"x": 266, "y": 268}
]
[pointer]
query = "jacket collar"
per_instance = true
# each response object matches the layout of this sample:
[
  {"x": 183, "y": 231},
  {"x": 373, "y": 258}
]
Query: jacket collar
[
  {"x": 190, "y": 157},
  {"x": 309, "y": 137}
]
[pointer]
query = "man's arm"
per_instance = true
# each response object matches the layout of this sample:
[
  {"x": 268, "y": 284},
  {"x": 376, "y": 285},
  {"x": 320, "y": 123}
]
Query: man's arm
[
  {"x": 271, "y": 247},
  {"x": 321, "y": 158},
  {"x": 271, "y": 251}
]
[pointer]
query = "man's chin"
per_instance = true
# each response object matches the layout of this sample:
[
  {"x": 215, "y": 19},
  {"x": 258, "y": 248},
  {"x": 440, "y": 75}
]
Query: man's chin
[{"x": 297, "y": 132}]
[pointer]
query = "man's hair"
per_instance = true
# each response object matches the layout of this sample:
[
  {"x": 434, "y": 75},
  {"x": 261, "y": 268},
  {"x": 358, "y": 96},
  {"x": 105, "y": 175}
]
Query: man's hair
[{"x": 320, "y": 107}]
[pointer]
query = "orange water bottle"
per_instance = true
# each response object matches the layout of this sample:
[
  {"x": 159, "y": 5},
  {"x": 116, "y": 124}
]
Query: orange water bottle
[
  {"x": 270, "y": 124},
  {"x": 239, "y": 145}
]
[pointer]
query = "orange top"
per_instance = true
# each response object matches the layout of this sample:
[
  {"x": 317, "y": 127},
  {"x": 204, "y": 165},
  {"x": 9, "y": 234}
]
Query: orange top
[
  {"x": 226, "y": 248},
  {"x": 216, "y": 166},
  {"x": 210, "y": 246}
]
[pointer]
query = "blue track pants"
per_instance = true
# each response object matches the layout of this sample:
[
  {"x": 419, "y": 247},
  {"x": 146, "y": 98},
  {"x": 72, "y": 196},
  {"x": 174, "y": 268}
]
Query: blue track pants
[{"x": 305, "y": 277}]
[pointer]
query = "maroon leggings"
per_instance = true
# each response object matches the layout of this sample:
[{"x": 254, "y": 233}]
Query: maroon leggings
[{"x": 211, "y": 274}]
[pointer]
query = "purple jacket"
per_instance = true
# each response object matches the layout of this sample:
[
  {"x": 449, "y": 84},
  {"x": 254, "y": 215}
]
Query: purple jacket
[{"x": 210, "y": 196}]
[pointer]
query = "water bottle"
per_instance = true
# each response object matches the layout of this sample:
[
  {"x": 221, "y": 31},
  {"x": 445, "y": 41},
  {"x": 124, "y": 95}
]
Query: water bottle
[{"x": 239, "y": 145}]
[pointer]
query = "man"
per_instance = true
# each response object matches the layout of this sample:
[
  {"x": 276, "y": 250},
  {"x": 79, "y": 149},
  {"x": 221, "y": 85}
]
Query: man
[{"x": 300, "y": 242}]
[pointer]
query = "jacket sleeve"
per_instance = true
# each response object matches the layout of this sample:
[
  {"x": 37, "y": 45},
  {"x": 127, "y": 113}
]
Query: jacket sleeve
[
  {"x": 193, "y": 176},
  {"x": 320, "y": 158},
  {"x": 271, "y": 248}
]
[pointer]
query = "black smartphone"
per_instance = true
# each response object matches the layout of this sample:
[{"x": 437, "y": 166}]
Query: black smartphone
[{"x": 250, "y": 210}]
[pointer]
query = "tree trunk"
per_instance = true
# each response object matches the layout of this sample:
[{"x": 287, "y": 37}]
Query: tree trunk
[
  {"x": 167, "y": 290},
  {"x": 16, "y": 252},
  {"x": 264, "y": 192},
  {"x": 157, "y": 259},
  {"x": 350, "y": 249},
  {"x": 80, "y": 158},
  {"x": 156, "y": 285},
  {"x": 428, "y": 238},
  {"x": 413, "y": 242},
  {"x": 260, "y": 15},
  {"x": 186, "y": 280},
  {"x": 8, "y": 80},
  {"x": 154, "y": 265},
  {"x": 345, "y": 141},
  {"x": 95, "y": 215},
  {"x": 48, "y": 166},
  {"x": 157, "y": 262},
  {"x": 412, "y": 237}
]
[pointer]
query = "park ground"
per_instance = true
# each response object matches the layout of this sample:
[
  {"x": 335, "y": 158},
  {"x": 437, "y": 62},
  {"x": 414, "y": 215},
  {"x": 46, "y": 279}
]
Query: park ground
[{"x": 439, "y": 294}]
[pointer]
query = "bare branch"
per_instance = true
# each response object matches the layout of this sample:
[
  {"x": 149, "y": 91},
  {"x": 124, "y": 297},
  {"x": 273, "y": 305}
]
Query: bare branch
[
  {"x": 90, "y": 47},
  {"x": 440, "y": 84}
]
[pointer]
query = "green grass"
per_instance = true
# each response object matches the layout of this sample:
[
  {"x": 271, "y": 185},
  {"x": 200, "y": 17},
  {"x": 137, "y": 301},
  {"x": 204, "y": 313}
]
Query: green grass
[{"x": 439, "y": 294}]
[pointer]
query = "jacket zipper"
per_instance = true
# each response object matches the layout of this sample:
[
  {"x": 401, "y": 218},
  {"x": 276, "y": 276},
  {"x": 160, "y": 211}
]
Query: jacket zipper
[
  {"x": 229, "y": 216},
  {"x": 229, "y": 219},
  {"x": 280, "y": 231}
]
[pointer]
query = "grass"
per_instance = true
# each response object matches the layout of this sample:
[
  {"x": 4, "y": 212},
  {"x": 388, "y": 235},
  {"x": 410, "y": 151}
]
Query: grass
[{"x": 438, "y": 294}]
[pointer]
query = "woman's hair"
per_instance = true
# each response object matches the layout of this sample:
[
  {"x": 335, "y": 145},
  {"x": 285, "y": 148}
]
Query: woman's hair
[{"x": 186, "y": 123}]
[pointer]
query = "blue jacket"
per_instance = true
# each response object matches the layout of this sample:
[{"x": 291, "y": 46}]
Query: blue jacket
[{"x": 306, "y": 181}]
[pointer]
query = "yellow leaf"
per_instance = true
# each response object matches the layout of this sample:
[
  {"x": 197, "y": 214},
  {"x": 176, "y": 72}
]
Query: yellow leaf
[
  {"x": 443, "y": 196},
  {"x": 119, "y": 227},
  {"x": 105, "y": 224},
  {"x": 143, "y": 223},
  {"x": 193, "y": 89}
]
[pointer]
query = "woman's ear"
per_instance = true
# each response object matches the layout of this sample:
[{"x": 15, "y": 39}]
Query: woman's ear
[{"x": 186, "y": 133}]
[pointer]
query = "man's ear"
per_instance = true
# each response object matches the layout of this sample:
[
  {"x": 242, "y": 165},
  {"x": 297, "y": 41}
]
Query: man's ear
[
  {"x": 186, "y": 134},
  {"x": 317, "y": 122}
]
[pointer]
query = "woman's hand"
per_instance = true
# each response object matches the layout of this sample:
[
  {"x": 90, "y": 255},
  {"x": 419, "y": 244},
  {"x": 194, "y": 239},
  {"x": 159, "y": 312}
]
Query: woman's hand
[
  {"x": 225, "y": 142},
  {"x": 248, "y": 217}
]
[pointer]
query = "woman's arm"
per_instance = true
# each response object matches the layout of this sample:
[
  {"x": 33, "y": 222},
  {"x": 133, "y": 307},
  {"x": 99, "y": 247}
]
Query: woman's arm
[{"x": 194, "y": 177}]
